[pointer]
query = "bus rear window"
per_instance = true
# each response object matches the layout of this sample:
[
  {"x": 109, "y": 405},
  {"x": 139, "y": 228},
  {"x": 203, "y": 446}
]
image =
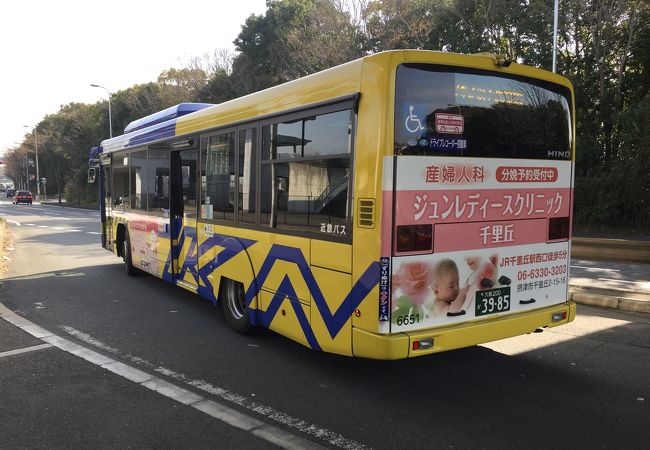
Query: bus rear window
[{"x": 443, "y": 112}]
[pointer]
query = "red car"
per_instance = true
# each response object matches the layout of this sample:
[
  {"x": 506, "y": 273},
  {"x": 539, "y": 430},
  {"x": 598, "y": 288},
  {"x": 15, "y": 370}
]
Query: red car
[{"x": 23, "y": 197}]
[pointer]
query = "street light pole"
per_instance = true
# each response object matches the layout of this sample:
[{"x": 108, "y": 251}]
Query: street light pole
[
  {"x": 110, "y": 119},
  {"x": 555, "y": 14},
  {"x": 38, "y": 180}
]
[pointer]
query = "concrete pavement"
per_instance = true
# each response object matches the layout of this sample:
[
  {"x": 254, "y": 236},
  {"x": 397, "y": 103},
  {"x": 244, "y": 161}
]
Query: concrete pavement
[{"x": 624, "y": 286}]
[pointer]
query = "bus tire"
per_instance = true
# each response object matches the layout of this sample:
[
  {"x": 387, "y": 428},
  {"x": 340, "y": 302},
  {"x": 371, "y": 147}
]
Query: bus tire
[
  {"x": 233, "y": 301},
  {"x": 126, "y": 255}
]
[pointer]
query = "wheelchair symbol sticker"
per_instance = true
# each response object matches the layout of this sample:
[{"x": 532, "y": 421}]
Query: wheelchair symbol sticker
[{"x": 412, "y": 122}]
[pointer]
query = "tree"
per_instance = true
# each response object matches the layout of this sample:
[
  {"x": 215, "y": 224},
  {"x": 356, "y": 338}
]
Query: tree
[
  {"x": 181, "y": 85},
  {"x": 15, "y": 159},
  {"x": 293, "y": 39}
]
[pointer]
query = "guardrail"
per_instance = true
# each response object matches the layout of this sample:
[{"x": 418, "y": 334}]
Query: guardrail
[{"x": 610, "y": 249}]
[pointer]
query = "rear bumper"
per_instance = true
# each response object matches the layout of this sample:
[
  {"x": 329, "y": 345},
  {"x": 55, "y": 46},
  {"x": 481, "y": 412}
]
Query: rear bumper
[{"x": 399, "y": 346}]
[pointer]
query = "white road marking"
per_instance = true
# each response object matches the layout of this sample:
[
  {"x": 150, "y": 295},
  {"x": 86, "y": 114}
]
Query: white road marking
[
  {"x": 617, "y": 281},
  {"x": 13, "y": 221},
  {"x": 93, "y": 232},
  {"x": 11, "y": 213},
  {"x": 88, "y": 339},
  {"x": 48, "y": 275},
  {"x": 596, "y": 268},
  {"x": 24, "y": 350},
  {"x": 221, "y": 412},
  {"x": 232, "y": 397}
]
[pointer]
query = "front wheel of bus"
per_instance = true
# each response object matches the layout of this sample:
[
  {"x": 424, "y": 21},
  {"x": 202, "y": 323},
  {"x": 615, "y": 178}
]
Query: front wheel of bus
[
  {"x": 234, "y": 306},
  {"x": 126, "y": 256}
]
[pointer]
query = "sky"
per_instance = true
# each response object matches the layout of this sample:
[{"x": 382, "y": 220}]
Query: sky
[{"x": 52, "y": 51}]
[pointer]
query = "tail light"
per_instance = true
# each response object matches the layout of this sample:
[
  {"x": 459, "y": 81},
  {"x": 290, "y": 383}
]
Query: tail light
[
  {"x": 558, "y": 228},
  {"x": 423, "y": 344},
  {"x": 414, "y": 238}
]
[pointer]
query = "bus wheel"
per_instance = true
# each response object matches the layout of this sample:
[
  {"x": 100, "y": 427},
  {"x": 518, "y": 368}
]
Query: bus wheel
[
  {"x": 233, "y": 301},
  {"x": 126, "y": 256}
]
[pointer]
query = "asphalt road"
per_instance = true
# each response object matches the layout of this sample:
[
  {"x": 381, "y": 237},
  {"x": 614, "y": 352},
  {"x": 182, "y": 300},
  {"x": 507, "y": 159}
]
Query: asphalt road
[{"x": 583, "y": 385}]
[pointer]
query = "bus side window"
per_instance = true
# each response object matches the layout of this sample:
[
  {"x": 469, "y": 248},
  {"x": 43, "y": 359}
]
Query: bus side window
[
  {"x": 218, "y": 178},
  {"x": 121, "y": 181},
  {"x": 247, "y": 176},
  {"x": 306, "y": 174}
]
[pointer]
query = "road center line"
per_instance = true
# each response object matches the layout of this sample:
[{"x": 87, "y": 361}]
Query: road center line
[{"x": 221, "y": 412}]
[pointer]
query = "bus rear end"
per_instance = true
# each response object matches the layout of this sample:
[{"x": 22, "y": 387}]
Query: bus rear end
[{"x": 476, "y": 221}]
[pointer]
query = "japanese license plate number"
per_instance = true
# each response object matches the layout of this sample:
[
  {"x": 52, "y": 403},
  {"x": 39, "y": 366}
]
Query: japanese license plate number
[{"x": 492, "y": 301}]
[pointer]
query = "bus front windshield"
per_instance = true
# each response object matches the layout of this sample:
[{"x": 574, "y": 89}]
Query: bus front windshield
[{"x": 442, "y": 111}]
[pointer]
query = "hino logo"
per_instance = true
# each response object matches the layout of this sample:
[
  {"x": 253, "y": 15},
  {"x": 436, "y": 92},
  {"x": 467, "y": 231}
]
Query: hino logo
[{"x": 558, "y": 154}]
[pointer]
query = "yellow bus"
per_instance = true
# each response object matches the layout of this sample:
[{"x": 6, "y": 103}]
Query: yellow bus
[{"x": 406, "y": 203}]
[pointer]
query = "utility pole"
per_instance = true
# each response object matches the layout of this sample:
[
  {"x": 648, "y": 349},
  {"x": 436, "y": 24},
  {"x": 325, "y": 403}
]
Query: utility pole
[{"x": 555, "y": 14}]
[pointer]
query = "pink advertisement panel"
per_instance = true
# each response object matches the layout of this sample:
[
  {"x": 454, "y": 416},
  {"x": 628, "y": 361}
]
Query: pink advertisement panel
[{"x": 491, "y": 253}]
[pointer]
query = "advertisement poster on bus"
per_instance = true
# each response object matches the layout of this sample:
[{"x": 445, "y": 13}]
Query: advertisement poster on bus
[
  {"x": 499, "y": 243},
  {"x": 146, "y": 244}
]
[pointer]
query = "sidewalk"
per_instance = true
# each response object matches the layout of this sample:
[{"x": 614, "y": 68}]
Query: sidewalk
[{"x": 624, "y": 286}]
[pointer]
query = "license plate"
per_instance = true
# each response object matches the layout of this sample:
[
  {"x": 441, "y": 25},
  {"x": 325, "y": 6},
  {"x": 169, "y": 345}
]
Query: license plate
[{"x": 492, "y": 301}]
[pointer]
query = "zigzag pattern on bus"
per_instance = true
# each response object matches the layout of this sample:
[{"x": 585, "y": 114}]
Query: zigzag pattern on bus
[{"x": 333, "y": 321}]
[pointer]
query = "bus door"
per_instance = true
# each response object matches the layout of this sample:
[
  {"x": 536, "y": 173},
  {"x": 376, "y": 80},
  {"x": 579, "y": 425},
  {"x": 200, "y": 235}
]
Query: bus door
[
  {"x": 106, "y": 204},
  {"x": 183, "y": 214}
]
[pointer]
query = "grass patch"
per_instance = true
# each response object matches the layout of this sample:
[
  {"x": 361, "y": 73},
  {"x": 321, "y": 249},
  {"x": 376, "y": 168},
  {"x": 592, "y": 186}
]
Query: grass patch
[{"x": 5, "y": 243}]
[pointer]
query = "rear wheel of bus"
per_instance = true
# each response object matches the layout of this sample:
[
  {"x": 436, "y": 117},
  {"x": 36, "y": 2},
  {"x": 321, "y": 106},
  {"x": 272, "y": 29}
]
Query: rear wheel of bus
[
  {"x": 233, "y": 301},
  {"x": 126, "y": 255}
]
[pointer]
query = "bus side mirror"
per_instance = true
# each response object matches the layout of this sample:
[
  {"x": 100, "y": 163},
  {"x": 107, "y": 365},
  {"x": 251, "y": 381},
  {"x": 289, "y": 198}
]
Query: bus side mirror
[{"x": 92, "y": 175}]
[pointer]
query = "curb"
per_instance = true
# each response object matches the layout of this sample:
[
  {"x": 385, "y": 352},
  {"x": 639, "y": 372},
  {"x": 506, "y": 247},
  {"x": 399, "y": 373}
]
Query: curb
[
  {"x": 607, "y": 301},
  {"x": 78, "y": 208},
  {"x": 635, "y": 251}
]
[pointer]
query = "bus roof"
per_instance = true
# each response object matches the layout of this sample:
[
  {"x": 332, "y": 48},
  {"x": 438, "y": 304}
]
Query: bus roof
[
  {"x": 166, "y": 114},
  {"x": 156, "y": 126}
]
